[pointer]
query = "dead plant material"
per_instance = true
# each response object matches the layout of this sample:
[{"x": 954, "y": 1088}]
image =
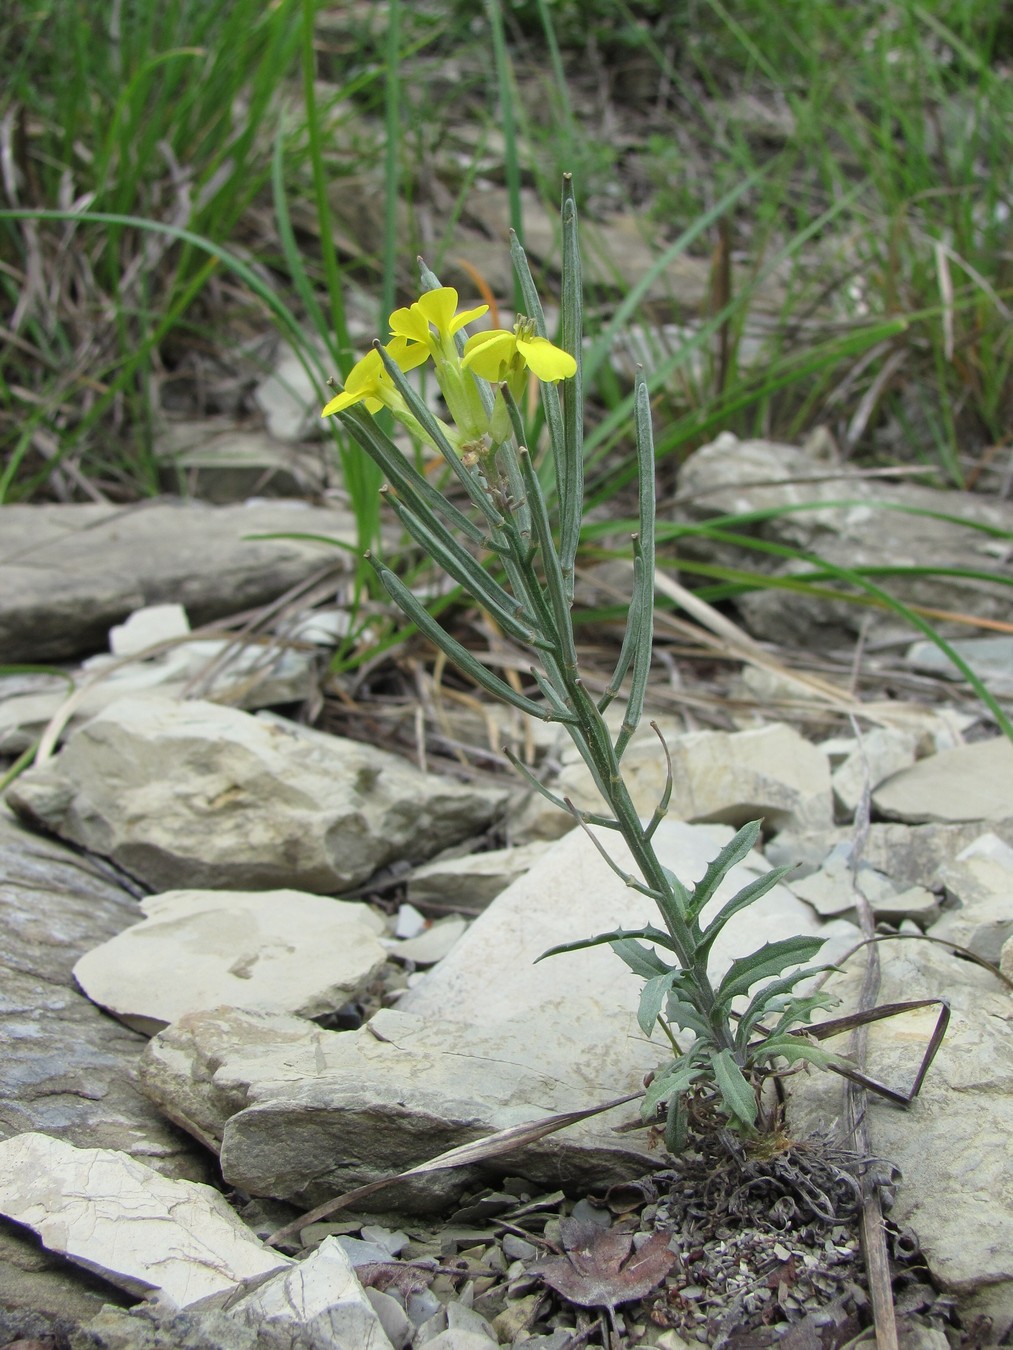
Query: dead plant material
[{"x": 600, "y": 1268}]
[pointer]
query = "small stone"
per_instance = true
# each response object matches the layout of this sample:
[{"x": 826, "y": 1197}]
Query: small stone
[
  {"x": 516, "y": 1317},
  {"x": 318, "y": 1301},
  {"x": 433, "y": 944},
  {"x": 917, "y": 903},
  {"x": 397, "y": 1325},
  {"x": 409, "y": 923},
  {"x": 458, "y": 1339},
  {"x": 880, "y": 753},
  {"x": 517, "y": 1249},
  {"x": 474, "y": 881},
  {"x": 461, "y": 1318}
]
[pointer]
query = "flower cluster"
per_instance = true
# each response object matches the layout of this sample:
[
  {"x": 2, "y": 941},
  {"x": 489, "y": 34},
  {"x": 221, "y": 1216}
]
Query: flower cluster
[{"x": 427, "y": 330}]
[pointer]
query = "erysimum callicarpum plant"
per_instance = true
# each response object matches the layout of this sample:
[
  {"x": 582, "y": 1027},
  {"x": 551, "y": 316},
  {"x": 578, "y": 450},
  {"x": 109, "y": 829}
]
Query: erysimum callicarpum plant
[{"x": 504, "y": 551}]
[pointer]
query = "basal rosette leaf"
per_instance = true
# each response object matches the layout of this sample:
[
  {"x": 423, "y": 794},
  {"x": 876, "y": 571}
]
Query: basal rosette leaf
[
  {"x": 737, "y": 1094},
  {"x": 792, "y": 1048},
  {"x": 776, "y": 998},
  {"x": 671, "y": 1082},
  {"x": 771, "y": 959}
]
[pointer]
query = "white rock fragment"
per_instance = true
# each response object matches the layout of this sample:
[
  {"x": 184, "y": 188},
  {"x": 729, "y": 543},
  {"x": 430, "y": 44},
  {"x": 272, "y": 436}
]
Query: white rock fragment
[
  {"x": 278, "y": 951},
  {"x": 147, "y": 626},
  {"x": 433, "y": 943},
  {"x": 320, "y": 1300},
  {"x": 120, "y": 1219},
  {"x": 410, "y": 922}
]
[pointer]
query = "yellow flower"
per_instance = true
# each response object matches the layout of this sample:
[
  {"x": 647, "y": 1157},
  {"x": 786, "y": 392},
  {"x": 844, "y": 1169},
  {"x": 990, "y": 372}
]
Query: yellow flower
[
  {"x": 435, "y": 309},
  {"x": 369, "y": 383},
  {"x": 498, "y": 354}
]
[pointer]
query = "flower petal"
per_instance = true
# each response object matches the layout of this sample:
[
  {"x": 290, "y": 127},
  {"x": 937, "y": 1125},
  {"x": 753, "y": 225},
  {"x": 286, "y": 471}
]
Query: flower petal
[
  {"x": 407, "y": 354},
  {"x": 363, "y": 384},
  {"x": 438, "y": 307},
  {"x": 490, "y": 354},
  {"x": 545, "y": 359},
  {"x": 412, "y": 324},
  {"x": 466, "y": 316},
  {"x": 341, "y": 402}
]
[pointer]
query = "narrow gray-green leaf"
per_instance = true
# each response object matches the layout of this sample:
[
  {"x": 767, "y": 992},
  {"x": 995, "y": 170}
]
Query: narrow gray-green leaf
[
  {"x": 457, "y": 653},
  {"x": 733, "y": 852},
  {"x": 736, "y": 1093},
  {"x": 739, "y": 901},
  {"x": 652, "y": 996},
  {"x": 641, "y": 960}
]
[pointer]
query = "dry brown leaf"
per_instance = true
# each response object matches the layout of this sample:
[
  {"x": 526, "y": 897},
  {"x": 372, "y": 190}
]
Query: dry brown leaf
[{"x": 598, "y": 1270}]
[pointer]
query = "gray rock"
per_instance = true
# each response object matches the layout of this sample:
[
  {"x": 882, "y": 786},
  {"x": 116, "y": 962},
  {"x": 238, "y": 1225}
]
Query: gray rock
[
  {"x": 317, "y": 1304},
  {"x": 730, "y": 476},
  {"x": 831, "y": 890},
  {"x": 910, "y": 855},
  {"x": 193, "y": 795},
  {"x": 474, "y": 881},
  {"x": 309, "y": 1118},
  {"x": 916, "y": 903},
  {"x": 882, "y": 752},
  {"x": 487, "y": 1040},
  {"x": 396, "y": 1323},
  {"x": 979, "y": 882},
  {"x": 147, "y": 1328},
  {"x": 65, "y": 1068},
  {"x": 991, "y": 659},
  {"x": 971, "y": 782},
  {"x": 69, "y": 572},
  {"x": 223, "y": 463},
  {"x": 727, "y": 777},
  {"x": 951, "y": 1144},
  {"x": 120, "y": 1219},
  {"x": 281, "y": 951}
]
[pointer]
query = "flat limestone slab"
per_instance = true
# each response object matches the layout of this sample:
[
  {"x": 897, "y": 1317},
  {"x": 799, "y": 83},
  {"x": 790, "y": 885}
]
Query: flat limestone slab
[
  {"x": 69, "y": 572},
  {"x": 575, "y": 1015},
  {"x": 951, "y": 1144},
  {"x": 972, "y": 782},
  {"x": 194, "y": 795},
  {"x": 281, "y": 951},
  {"x": 119, "y": 1219},
  {"x": 487, "y": 1041}
]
